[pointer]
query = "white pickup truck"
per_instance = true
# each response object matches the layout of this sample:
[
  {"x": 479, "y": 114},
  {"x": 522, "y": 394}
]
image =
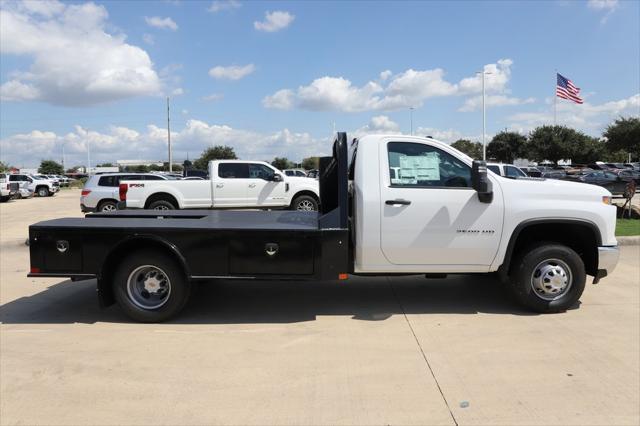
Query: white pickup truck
[
  {"x": 231, "y": 184},
  {"x": 391, "y": 205}
]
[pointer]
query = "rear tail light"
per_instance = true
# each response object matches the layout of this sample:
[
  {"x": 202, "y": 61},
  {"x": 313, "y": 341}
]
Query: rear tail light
[
  {"x": 35, "y": 270},
  {"x": 123, "y": 191},
  {"x": 85, "y": 192}
]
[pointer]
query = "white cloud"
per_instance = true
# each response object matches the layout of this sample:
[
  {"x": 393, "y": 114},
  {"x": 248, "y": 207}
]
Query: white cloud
[
  {"x": 282, "y": 99},
  {"x": 587, "y": 117},
  {"x": 274, "y": 21},
  {"x": 213, "y": 97},
  {"x": 177, "y": 92},
  {"x": 377, "y": 124},
  {"x": 27, "y": 150},
  {"x": 407, "y": 89},
  {"x": 223, "y": 5},
  {"x": 148, "y": 38},
  {"x": 384, "y": 75},
  {"x": 161, "y": 23},
  {"x": 233, "y": 72},
  {"x": 74, "y": 60},
  {"x": 475, "y": 103},
  {"x": 606, "y": 6},
  {"x": 602, "y": 4}
]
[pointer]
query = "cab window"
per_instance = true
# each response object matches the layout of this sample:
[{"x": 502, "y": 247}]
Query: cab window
[
  {"x": 260, "y": 171},
  {"x": 233, "y": 170},
  {"x": 420, "y": 165},
  {"x": 495, "y": 169},
  {"x": 514, "y": 172}
]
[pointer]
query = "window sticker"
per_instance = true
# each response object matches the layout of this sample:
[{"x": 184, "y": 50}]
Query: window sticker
[{"x": 419, "y": 168}]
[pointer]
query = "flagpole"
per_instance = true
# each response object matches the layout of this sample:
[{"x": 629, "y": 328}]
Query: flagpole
[{"x": 555, "y": 101}]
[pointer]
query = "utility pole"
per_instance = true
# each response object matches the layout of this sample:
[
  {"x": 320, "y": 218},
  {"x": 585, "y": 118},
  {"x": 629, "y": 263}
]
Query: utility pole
[
  {"x": 169, "y": 138},
  {"x": 63, "y": 165},
  {"x": 88, "y": 156},
  {"x": 411, "y": 118}
]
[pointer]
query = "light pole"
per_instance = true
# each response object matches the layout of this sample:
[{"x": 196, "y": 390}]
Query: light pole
[
  {"x": 411, "y": 118},
  {"x": 169, "y": 139},
  {"x": 88, "y": 156},
  {"x": 484, "y": 117},
  {"x": 63, "y": 162}
]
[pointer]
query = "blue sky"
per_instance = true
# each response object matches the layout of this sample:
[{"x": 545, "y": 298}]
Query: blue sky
[{"x": 270, "y": 78}]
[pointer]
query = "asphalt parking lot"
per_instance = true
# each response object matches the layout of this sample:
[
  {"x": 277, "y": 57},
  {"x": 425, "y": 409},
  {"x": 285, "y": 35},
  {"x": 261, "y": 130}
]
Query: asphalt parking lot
[{"x": 366, "y": 351}]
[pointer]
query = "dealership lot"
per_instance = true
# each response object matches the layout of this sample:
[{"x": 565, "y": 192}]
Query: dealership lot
[{"x": 367, "y": 351}]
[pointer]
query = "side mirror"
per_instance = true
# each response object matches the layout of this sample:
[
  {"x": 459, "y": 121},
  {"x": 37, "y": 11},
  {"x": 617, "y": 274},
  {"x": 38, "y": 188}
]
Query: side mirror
[
  {"x": 480, "y": 181},
  {"x": 277, "y": 177}
]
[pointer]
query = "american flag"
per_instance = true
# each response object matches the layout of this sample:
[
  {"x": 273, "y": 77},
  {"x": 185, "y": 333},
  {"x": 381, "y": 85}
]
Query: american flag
[{"x": 566, "y": 90}]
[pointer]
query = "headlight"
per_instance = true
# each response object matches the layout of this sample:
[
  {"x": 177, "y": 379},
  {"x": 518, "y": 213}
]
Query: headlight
[{"x": 606, "y": 199}]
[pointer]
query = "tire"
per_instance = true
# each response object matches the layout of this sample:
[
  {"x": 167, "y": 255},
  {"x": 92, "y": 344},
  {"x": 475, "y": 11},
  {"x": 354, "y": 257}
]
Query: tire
[
  {"x": 304, "y": 203},
  {"x": 107, "y": 206},
  {"x": 547, "y": 278},
  {"x": 162, "y": 205},
  {"x": 161, "y": 277},
  {"x": 43, "y": 191},
  {"x": 4, "y": 198}
]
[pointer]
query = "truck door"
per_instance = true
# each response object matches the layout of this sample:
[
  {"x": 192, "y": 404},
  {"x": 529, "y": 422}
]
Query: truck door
[
  {"x": 230, "y": 185},
  {"x": 430, "y": 215},
  {"x": 262, "y": 190}
]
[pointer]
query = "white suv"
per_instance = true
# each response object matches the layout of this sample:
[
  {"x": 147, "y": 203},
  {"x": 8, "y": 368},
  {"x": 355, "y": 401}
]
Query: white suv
[{"x": 100, "y": 193}]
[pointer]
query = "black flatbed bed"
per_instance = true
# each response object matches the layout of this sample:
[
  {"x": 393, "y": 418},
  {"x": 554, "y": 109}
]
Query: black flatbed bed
[
  {"x": 191, "y": 219},
  {"x": 208, "y": 244}
]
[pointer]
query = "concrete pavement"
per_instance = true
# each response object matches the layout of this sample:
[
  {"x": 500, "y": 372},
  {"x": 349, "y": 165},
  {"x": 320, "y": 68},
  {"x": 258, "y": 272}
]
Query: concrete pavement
[{"x": 366, "y": 351}]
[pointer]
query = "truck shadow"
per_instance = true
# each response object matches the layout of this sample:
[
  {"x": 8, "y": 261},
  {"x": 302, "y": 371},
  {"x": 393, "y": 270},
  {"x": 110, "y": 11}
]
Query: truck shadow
[{"x": 241, "y": 302}]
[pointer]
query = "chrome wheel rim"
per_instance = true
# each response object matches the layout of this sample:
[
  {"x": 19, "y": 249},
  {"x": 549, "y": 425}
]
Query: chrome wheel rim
[
  {"x": 109, "y": 208},
  {"x": 161, "y": 208},
  {"x": 551, "y": 279},
  {"x": 306, "y": 205},
  {"x": 148, "y": 287}
]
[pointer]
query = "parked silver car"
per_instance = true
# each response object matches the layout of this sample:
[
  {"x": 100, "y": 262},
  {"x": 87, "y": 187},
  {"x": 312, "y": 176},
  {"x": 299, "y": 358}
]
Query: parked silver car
[{"x": 101, "y": 192}]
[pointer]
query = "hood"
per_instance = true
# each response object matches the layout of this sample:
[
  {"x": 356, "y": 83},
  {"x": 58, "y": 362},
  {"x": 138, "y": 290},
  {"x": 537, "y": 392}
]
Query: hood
[{"x": 554, "y": 189}]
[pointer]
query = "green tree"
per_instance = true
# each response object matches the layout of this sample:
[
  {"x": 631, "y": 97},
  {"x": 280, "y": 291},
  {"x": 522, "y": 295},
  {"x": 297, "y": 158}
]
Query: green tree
[
  {"x": 105, "y": 165},
  {"x": 3, "y": 166},
  {"x": 311, "y": 163},
  {"x": 507, "y": 146},
  {"x": 218, "y": 152},
  {"x": 282, "y": 163},
  {"x": 137, "y": 169},
  {"x": 554, "y": 143},
  {"x": 624, "y": 135},
  {"x": 472, "y": 149},
  {"x": 587, "y": 150},
  {"x": 50, "y": 167}
]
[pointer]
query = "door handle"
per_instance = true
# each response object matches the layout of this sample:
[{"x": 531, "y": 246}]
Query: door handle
[
  {"x": 252, "y": 185},
  {"x": 397, "y": 202},
  {"x": 219, "y": 185}
]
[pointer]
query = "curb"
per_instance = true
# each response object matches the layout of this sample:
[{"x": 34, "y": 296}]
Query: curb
[{"x": 628, "y": 241}]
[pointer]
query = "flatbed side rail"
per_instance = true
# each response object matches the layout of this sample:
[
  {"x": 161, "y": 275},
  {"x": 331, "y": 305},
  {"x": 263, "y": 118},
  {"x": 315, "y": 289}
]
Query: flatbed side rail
[{"x": 334, "y": 186}]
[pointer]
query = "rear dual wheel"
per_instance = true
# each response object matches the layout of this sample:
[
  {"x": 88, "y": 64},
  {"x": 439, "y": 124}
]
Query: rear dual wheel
[{"x": 150, "y": 286}]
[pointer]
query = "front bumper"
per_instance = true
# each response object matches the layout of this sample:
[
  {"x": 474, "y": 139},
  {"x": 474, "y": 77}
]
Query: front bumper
[{"x": 607, "y": 261}]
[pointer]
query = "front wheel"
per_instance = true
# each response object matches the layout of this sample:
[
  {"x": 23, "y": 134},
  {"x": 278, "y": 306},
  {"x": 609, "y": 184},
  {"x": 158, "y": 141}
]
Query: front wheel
[
  {"x": 548, "y": 278},
  {"x": 150, "y": 286},
  {"x": 43, "y": 191},
  {"x": 305, "y": 203}
]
